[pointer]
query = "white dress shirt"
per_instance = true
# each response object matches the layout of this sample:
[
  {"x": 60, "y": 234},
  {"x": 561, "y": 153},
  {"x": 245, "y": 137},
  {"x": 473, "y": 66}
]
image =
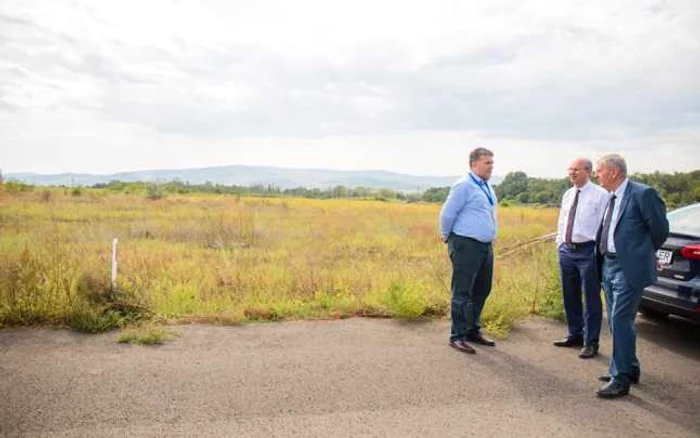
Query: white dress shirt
[
  {"x": 589, "y": 212},
  {"x": 619, "y": 193}
]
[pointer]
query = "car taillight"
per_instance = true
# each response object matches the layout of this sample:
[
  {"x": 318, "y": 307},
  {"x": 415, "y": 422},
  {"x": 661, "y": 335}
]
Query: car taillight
[{"x": 691, "y": 252}]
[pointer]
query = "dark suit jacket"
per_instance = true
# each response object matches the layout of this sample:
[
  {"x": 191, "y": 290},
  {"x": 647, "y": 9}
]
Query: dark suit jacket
[{"x": 641, "y": 229}]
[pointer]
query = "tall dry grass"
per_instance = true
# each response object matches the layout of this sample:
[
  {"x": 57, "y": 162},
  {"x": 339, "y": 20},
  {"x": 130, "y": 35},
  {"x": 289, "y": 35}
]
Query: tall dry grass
[{"x": 231, "y": 259}]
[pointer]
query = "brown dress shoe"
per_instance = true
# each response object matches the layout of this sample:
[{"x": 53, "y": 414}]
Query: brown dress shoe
[{"x": 462, "y": 346}]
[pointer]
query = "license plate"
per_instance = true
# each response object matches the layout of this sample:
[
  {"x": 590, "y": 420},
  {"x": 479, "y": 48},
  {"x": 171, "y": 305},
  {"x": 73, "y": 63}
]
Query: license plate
[{"x": 664, "y": 257}]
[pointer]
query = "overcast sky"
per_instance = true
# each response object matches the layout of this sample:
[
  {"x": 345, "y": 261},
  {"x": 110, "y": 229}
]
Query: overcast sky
[{"x": 106, "y": 86}]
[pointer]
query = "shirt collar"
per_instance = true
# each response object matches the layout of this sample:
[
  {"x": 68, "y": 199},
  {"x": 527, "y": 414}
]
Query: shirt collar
[
  {"x": 584, "y": 187},
  {"x": 477, "y": 178},
  {"x": 621, "y": 190}
]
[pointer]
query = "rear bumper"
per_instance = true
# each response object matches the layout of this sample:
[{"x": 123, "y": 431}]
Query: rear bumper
[{"x": 672, "y": 301}]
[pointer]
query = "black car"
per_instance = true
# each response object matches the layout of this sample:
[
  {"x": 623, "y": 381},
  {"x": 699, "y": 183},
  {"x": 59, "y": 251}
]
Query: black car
[{"x": 677, "y": 290}]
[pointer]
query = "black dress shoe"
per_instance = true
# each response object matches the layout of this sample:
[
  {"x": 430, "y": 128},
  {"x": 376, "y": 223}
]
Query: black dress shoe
[
  {"x": 569, "y": 342},
  {"x": 481, "y": 340},
  {"x": 588, "y": 352},
  {"x": 633, "y": 379},
  {"x": 462, "y": 346},
  {"x": 613, "y": 390}
]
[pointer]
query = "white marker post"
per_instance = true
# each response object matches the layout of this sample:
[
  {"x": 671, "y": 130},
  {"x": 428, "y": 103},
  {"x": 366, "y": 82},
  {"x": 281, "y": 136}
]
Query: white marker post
[{"x": 115, "y": 241}]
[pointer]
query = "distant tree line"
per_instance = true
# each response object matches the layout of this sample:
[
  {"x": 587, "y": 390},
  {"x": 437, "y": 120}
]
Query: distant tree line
[
  {"x": 677, "y": 189},
  {"x": 157, "y": 190},
  {"x": 519, "y": 188}
]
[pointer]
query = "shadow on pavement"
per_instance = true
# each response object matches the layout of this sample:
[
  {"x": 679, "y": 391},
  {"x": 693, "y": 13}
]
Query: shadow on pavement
[
  {"x": 680, "y": 413},
  {"x": 679, "y": 335}
]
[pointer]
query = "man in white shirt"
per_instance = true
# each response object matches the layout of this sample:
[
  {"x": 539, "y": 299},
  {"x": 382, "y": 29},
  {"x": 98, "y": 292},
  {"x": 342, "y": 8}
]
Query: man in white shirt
[{"x": 581, "y": 213}]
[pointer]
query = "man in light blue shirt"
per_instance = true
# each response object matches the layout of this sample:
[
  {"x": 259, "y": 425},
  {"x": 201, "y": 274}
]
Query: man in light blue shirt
[{"x": 468, "y": 226}]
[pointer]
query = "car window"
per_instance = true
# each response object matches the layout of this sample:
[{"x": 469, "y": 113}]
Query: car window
[{"x": 685, "y": 220}]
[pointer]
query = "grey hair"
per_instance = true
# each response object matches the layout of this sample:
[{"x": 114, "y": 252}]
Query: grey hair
[
  {"x": 614, "y": 160},
  {"x": 477, "y": 153}
]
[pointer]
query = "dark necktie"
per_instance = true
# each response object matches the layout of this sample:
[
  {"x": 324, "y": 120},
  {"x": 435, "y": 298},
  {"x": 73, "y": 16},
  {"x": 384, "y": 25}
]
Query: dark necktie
[
  {"x": 572, "y": 217},
  {"x": 603, "y": 245}
]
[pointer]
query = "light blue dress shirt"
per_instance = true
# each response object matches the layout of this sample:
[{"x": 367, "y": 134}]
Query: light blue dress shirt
[
  {"x": 470, "y": 210},
  {"x": 619, "y": 195}
]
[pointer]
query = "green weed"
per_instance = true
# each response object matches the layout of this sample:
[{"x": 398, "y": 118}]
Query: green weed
[{"x": 147, "y": 334}]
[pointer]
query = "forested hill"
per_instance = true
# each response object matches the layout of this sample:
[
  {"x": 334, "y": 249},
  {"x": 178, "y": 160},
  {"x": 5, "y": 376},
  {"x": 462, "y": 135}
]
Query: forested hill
[
  {"x": 249, "y": 176},
  {"x": 677, "y": 189}
]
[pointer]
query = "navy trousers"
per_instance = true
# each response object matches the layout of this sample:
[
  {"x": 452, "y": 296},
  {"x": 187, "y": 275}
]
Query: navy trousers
[
  {"x": 579, "y": 274},
  {"x": 623, "y": 301},
  {"x": 472, "y": 274}
]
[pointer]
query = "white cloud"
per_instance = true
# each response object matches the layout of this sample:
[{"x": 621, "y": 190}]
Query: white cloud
[{"x": 104, "y": 86}]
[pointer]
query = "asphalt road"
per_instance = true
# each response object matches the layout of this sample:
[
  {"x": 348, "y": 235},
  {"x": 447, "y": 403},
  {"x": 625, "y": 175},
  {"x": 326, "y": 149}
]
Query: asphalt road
[{"x": 358, "y": 377}]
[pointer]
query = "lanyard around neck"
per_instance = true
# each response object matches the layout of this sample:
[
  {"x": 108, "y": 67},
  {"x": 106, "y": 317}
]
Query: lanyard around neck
[{"x": 481, "y": 185}]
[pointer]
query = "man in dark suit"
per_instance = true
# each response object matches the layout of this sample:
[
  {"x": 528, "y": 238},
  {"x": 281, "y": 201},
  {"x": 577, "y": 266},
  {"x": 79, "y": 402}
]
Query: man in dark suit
[{"x": 634, "y": 226}]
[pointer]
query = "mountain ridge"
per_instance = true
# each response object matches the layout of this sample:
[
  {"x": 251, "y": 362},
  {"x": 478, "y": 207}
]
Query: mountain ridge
[{"x": 243, "y": 175}]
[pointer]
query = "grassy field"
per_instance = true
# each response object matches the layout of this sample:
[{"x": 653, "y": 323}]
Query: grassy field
[{"x": 228, "y": 260}]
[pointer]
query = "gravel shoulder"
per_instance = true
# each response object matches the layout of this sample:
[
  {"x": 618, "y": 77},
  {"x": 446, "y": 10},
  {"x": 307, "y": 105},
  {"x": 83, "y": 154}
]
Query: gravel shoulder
[{"x": 363, "y": 377}]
